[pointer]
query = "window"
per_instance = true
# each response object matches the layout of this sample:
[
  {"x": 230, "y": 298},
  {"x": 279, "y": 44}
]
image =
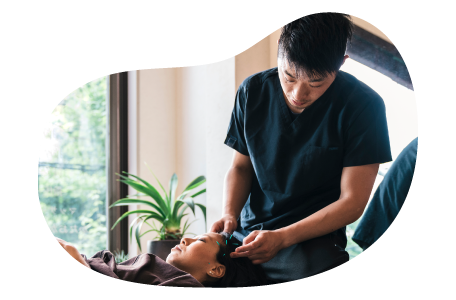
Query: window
[
  {"x": 401, "y": 117},
  {"x": 72, "y": 181}
]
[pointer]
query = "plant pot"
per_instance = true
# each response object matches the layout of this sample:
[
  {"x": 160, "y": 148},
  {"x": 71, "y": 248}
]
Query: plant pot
[{"x": 161, "y": 248}]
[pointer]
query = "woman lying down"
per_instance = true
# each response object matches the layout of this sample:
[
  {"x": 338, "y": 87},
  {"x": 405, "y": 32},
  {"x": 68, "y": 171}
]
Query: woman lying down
[{"x": 202, "y": 261}]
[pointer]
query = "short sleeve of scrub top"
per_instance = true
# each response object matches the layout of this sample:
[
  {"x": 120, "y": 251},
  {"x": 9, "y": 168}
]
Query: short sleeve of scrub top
[
  {"x": 366, "y": 131},
  {"x": 235, "y": 136}
]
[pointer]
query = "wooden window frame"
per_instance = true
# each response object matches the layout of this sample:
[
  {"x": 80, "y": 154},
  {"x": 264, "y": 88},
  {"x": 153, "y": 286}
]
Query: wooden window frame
[
  {"x": 117, "y": 160},
  {"x": 416, "y": 67}
]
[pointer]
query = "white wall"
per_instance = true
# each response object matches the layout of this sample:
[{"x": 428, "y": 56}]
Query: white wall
[
  {"x": 253, "y": 60},
  {"x": 156, "y": 129},
  {"x": 259, "y": 57},
  {"x": 220, "y": 94},
  {"x": 190, "y": 134},
  {"x": 273, "y": 38}
]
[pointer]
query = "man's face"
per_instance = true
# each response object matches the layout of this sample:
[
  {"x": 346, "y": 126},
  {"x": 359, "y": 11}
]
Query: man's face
[{"x": 301, "y": 91}]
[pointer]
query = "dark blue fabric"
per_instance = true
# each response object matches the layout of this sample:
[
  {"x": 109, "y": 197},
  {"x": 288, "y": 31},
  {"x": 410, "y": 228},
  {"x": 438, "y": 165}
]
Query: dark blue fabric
[
  {"x": 293, "y": 115},
  {"x": 298, "y": 162},
  {"x": 408, "y": 226}
]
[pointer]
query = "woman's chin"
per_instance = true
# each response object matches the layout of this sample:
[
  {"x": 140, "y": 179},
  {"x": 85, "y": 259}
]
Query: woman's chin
[{"x": 169, "y": 258}]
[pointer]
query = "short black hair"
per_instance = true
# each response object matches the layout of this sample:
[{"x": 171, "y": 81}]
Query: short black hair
[
  {"x": 316, "y": 44},
  {"x": 239, "y": 272}
]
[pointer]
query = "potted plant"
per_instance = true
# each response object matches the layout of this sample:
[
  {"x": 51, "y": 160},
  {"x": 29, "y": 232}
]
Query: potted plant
[{"x": 167, "y": 209}]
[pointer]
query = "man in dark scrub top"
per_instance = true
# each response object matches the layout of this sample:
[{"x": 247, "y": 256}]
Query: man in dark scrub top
[{"x": 308, "y": 142}]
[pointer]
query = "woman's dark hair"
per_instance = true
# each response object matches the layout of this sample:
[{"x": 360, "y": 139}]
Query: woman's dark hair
[
  {"x": 239, "y": 272},
  {"x": 316, "y": 44}
]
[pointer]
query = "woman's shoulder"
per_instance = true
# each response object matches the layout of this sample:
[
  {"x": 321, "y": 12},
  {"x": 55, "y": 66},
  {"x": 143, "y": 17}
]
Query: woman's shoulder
[{"x": 150, "y": 269}]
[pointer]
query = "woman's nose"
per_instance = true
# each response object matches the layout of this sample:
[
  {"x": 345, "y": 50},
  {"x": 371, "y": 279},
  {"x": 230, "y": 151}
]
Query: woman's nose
[{"x": 186, "y": 241}]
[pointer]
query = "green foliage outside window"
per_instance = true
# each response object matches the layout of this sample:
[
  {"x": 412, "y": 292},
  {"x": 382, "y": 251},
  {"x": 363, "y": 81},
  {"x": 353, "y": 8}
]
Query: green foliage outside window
[
  {"x": 352, "y": 248},
  {"x": 72, "y": 169}
]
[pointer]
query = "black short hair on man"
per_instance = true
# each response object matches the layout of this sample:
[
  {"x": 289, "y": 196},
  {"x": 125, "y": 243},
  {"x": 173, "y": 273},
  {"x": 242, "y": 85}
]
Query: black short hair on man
[{"x": 316, "y": 44}]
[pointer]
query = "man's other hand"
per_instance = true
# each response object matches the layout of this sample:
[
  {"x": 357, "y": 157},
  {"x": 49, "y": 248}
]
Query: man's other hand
[{"x": 227, "y": 223}]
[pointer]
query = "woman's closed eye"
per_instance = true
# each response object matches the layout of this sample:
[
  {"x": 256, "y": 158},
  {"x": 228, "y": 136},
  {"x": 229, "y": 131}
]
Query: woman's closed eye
[{"x": 201, "y": 240}]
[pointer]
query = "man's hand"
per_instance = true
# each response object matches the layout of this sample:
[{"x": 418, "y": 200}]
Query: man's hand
[
  {"x": 260, "y": 246},
  {"x": 227, "y": 223}
]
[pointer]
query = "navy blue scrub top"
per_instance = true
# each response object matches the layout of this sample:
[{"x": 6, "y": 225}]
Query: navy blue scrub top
[{"x": 298, "y": 161}]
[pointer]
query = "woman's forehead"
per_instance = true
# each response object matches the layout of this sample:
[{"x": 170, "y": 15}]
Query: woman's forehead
[{"x": 211, "y": 235}]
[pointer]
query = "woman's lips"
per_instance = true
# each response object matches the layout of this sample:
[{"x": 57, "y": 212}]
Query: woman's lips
[{"x": 177, "y": 248}]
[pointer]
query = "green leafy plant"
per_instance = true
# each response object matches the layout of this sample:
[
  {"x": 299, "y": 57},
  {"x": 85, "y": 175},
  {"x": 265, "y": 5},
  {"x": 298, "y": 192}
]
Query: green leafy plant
[
  {"x": 168, "y": 209},
  {"x": 120, "y": 256}
]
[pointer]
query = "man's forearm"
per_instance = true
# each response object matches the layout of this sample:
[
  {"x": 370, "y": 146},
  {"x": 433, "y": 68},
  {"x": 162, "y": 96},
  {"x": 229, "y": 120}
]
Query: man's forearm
[
  {"x": 332, "y": 217},
  {"x": 236, "y": 190}
]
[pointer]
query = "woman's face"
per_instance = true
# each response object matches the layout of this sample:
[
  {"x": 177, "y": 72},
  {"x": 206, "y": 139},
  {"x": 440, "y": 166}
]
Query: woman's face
[{"x": 197, "y": 256}]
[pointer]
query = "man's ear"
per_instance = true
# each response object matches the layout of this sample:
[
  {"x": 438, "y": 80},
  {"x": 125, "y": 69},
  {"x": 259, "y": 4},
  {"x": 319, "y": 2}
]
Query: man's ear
[
  {"x": 345, "y": 58},
  {"x": 217, "y": 272}
]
